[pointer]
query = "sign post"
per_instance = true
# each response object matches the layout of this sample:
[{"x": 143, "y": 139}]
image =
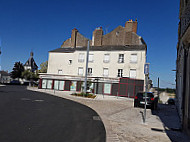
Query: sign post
[{"x": 146, "y": 72}]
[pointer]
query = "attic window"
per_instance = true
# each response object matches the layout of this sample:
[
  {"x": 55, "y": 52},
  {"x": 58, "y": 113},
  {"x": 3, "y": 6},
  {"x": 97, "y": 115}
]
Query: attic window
[{"x": 117, "y": 33}]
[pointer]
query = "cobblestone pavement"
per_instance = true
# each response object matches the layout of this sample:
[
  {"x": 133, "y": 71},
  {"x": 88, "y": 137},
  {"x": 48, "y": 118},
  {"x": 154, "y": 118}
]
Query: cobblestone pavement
[{"x": 124, "y": 123}]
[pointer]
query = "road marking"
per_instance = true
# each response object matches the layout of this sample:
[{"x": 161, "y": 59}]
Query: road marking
[
  {"x": 38, "y": 100},
  {"x": 113, "y": 138},
  {"x": 97, "y": 118},
  {"x": 25, "y": 99}
]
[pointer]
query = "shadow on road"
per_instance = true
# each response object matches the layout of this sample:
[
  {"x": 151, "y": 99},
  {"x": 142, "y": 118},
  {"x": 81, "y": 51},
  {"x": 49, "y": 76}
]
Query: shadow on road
[{"x": 171, "y": 122}]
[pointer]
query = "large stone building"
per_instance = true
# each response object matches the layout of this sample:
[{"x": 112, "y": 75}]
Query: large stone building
[
  {"x": 183, "y": 65},
  {"x": 120, "y": 53}
]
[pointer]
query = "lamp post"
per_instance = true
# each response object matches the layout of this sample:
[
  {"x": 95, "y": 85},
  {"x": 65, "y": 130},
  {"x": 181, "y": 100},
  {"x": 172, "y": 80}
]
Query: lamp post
[
  {"x": 146, "y": 72},
  {"x": 86, "y": 72}
]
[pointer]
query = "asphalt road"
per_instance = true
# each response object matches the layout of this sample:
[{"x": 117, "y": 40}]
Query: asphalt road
[{"x": 27, "y": 116}]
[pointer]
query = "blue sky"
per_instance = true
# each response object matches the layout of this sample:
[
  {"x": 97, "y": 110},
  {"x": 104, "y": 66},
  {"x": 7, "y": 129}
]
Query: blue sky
[{"x": 42, "y": 25}]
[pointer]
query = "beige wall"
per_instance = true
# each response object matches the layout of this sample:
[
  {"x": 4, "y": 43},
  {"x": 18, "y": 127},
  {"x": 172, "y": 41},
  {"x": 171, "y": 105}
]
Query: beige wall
[{"x": 60, "y": 61}]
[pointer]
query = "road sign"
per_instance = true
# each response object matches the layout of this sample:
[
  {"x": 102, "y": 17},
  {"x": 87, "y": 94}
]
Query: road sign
[{"x": 146, "y": 68}]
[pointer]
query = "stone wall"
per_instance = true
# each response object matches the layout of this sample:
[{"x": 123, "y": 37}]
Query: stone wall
[{"x": 120, "y": 36}]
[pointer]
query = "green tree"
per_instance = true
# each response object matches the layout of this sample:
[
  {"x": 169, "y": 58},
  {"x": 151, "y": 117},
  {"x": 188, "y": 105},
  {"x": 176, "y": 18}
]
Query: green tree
[
  {"x": 17, "y": 70},
  {"x": 28, "y": 75},
  {"x": 43, "y": 67}
]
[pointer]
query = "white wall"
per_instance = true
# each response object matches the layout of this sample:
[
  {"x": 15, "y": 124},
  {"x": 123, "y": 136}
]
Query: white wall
[{"x": 60, "y": 61}]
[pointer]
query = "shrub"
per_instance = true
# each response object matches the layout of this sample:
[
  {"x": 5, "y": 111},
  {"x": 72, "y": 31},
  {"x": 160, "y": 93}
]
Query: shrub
[{"x": 82, "y": 94}]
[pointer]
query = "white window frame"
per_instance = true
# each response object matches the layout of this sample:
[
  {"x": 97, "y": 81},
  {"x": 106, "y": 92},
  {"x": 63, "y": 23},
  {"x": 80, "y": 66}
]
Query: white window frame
[
  {"x": 91, "y": 58},
  {"x": 80, "y": 68},
  {"x": 121, "y": 58},
  {"x": 120, "y": 73},
  {"x": 134, "y": 58},
  {"x": 60, "y": 71},
  {"x": 104, "y": 72},
  {"x": 81, "y": 57},
  {"x": 106, "y": 58},
  {"x": 131, "y": 72}
]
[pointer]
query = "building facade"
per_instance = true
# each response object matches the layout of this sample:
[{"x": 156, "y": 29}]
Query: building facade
[
  {"x": 120, "y": 53},
  {"x": 5, "y": 77},
  {"x": 31, "y": 64},
  {"x": 183, "y": 65}
]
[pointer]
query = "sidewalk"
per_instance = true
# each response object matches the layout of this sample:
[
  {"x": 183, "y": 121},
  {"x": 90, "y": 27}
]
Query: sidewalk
[{"x": 123, "y": 122}]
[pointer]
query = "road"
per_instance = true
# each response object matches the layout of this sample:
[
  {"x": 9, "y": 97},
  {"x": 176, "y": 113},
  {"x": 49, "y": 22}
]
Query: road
[{"x": 28, "y": 116}]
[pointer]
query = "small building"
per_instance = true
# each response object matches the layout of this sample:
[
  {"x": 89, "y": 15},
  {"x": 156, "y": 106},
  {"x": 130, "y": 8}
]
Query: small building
[
  {"x": 31, "y": 64},
  {"x": 5, "y": 77},
  {"x": 118, "y": 54},
  {"x": 183, "y": 66}
]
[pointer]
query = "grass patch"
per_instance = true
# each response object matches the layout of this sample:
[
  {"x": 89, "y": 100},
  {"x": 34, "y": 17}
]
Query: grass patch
[{"x": 87, "y": 95}]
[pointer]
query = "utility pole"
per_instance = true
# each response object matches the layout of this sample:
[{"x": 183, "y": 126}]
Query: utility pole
[
  {"x": 158, "y": 88},
  {"x": 86, "y": 72},
  {"x": 146, "y": 72}
]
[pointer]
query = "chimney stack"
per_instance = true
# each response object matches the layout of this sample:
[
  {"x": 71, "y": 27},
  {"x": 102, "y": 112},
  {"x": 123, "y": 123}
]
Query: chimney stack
[
  {"x": 131, "y": 26},
  {"x": 97, "y": 37},
  {"x": 74, "y": 37}
]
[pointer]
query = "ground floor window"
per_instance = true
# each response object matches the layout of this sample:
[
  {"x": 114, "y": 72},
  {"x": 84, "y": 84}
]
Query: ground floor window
[
  {"x": 107, "y": 88},
  {"x": 56, "y": 84},
  {"x": 61, "y": 85},
  {"x": 44, "y": 83},
  {"x": 49, "y": 84},
  {"x": 73, "y": 86}
]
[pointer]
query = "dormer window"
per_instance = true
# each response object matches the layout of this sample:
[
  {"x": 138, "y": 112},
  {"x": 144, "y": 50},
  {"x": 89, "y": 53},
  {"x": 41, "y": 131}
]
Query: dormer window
[{"x": 117, "y": 33}]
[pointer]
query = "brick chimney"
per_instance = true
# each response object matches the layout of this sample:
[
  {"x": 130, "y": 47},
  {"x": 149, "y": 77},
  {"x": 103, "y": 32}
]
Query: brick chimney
[
  {"x": 97, "y": 37},
  {"x": 131, "y": 26},
  {"x": 74, "y": 37}
]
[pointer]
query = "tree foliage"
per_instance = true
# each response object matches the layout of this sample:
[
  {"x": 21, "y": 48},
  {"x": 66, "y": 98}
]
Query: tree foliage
[
  {"x": 28, "y": 75},
  {"x": 43, "y": 67},
  {"x": 17, "y": 70}
]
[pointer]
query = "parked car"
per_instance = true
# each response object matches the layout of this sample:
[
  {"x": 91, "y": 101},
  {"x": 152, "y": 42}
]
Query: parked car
[
  {"x": 171, "y": 101},
  {"x": 152, "y": 100},
  {"x": 15, "y": 82}
]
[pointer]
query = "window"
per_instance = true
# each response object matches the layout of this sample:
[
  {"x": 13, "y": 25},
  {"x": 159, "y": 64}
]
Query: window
[
  {"x": 81, "y": 57},
  {"x": 120, "y": 73},
  {"x": 105, "y": 72},
  {"x": 132, "y": 73},
  {"x": 60, "y": 72},
  {"x": 117, "y": 33},
  {"x": 91, "y": 58},
  {"x": 80, "y": 71},
  {"x": 106, "y": 58},
  {"x": 121, "y": 58},
  {"x": 89, "y": 71},
  {"x": 133, "y": 58}
]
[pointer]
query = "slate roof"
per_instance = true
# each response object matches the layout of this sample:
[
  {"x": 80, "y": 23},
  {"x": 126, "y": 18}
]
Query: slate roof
[
  {"x": 30, "y": 62},
  {"x": 4, "y": 73},
  {"x": 102, "y": 48}
]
